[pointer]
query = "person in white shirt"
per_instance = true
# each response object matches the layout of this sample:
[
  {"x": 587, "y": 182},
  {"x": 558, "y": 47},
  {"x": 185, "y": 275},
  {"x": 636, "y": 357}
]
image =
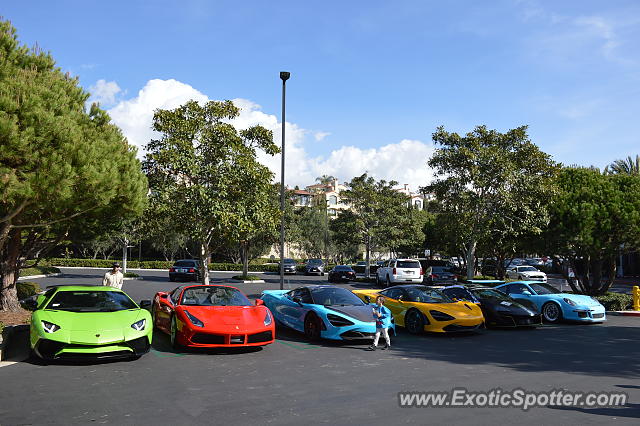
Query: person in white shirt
[{"x": 114, "y": 277}]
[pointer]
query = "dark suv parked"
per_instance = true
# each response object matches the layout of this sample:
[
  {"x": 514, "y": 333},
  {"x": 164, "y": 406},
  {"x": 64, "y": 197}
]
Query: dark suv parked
[{"x": 185, "y": 270}]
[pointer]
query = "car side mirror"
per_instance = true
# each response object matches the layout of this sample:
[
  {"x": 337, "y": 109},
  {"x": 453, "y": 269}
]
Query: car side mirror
[
  {"x": 145, "y": 304},
  {"x": 29, "y": 304},
  {"x": 298, "y": 300},
  {"x": 259, "y": 302}
]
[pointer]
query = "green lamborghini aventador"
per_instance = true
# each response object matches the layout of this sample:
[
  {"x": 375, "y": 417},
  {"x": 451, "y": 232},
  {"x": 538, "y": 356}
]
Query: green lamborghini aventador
[{"x": 89, "y": 322}]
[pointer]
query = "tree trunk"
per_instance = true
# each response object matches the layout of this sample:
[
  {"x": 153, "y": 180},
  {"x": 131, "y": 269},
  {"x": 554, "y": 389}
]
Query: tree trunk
[
  {"x": 367, "y": 268},
  {"x": 10, "y": 253},
  {"x": 204, "y": 257},
  {"x": 470, "y": 257},
  {"x": 244, "y": 247},
  {"x": 611, "y": 269}
]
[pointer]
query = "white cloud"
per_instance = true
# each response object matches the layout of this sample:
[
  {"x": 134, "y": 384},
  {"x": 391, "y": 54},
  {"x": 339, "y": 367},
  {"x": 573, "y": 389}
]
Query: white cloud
[
  {"x": 104, "y": 92},
  {"x": 319, "y": 136},
  {"x": 404, "y": 162}
]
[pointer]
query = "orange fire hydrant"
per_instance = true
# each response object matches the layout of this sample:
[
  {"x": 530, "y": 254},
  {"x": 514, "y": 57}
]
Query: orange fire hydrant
[{"x": 636, "y": 298}]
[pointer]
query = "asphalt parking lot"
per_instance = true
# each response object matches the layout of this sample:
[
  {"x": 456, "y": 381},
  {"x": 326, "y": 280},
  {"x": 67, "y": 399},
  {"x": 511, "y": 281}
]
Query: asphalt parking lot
[{"x": 293, "y": 382}]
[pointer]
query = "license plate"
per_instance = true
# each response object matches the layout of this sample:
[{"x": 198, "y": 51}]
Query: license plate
[
  {"x": 408, "y": 272},
  {"x": 182, "y": 270}
]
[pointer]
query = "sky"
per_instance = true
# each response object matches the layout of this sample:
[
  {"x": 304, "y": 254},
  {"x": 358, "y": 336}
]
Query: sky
[{"x": 370, "y": 80}]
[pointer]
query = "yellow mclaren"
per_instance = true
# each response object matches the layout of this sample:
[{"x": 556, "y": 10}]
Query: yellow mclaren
[{"x": 419, "y": 308}]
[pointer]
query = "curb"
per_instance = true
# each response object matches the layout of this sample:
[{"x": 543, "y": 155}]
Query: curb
[
  {"x": 248, "y": 281},
  {"x": 5, "y": 338},
  {"x": 159, "y": 270},
  {"x": 32, "y": 277},
  {"x": 132, "y": 278},
  {"x": 624, "y": 313}
]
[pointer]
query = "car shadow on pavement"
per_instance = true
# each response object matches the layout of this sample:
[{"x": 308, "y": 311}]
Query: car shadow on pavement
[{"x": 162, "y": 344}]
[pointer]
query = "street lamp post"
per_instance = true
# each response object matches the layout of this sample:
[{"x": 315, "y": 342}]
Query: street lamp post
[{"x": 284, "y": 76}]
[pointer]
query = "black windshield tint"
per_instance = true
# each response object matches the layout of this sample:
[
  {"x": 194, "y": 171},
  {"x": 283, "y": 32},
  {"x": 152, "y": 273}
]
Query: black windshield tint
[
  {"x": 289, "y": 262},
  {"x": 330, "y": 296},
  {"x": 185, "y": 263},
  {"x": 426, "y": 295},
  {"x": 407, "y": 264},
  {"x": 91, "y": 301},
  {"x": 342, "y": 268},
  {"x": 214, "y": 296},
  {"x": 541, "y": 288},
  {"x": 440, "y": 270},
  {"x": 315, "y": 262}
]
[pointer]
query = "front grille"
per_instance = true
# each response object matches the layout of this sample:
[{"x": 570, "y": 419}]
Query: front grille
[
  {"x": 208, "y": 339},
  {"x": 79, "y": 355},
  {"x": 455, "y": 327},
  {"x": 237, "y": 340},
  {"x": 139, "y": 345},
  {"x": 598, "y": 315},
  {"x": 49, "y": 348},
  {"x": 354, "y": 334},
  {"x": 265, "y": 336}
]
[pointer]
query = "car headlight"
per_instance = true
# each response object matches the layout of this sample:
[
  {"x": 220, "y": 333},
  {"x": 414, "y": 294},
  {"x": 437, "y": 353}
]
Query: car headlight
[
  {"x": 569, "y": 301},
  {"x": 195, "y": 321},
  {"x": 267, "y": 318},
  {"x": 50, "y": 327},
  {"x": 441, "y": 316},
  {"x": 139, "y": 325}
]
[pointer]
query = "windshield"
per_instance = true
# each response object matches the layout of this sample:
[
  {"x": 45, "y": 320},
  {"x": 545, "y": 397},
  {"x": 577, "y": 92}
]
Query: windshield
[
  {"x": 315, "y": 262},
  {"x": 331, "y": 296},
  {"x": 426, "y": 295},
  {"x": 289, "y": 262},
  {"x": 189, "y": 263},
  {"x": 542, "y": 288},
  {"x": 342, "y": 268},
  {"x": 491, "y": 295},
  {"x": 91, "y": 301},
  {"x": 214, "y": 296},
  {"x": 440, "y": 269},
  {"x": 527, "y": 268}
]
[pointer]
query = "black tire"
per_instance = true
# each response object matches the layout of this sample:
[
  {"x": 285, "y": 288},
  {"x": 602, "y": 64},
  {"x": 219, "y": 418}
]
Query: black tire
[
  {"x": 414, "y": 322},
  {"x": 312, "y": 327},
  {"x": 551, "y": 312},
  {"x": 173, "y": 331}
]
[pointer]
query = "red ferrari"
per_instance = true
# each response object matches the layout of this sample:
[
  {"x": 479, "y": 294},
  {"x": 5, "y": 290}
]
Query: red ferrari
[{"x": 212, "y": 316}]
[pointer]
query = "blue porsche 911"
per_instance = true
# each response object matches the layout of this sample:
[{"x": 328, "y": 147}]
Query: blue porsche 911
[
  {"x": 553, "y": 304},
  {"x": 322, "y": 311}
]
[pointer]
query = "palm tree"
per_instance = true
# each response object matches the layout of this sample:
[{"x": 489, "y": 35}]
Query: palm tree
[
  {"x": 325, "y": 179},
  {"x": 628, "y": 166}
]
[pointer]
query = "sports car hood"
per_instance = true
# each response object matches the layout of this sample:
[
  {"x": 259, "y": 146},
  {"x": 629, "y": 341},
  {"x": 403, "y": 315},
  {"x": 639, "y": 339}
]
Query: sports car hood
[
  {"x": 361, "y": 313},
  {"x": 579, "y": 299},
  {"x": 92, "y": 321},
  {"x": 457, "y": 309}
]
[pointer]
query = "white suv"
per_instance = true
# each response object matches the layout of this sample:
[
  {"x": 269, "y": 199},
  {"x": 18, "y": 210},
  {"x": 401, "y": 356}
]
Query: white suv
[{"x": 396, "y": 271}]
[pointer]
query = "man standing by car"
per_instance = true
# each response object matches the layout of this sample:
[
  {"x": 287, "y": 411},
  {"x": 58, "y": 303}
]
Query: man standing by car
[{"x": 114, "y": 277}]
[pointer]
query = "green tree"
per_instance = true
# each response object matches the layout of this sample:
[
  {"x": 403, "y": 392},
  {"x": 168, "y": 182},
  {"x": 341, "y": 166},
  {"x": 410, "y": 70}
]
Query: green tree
[
  {"x": 491, "y": 184},
  {"x": 629, "y": 166},
  {"x": 61, "y": 169},
  {"x": 378, "y": 210},
  {"x": 312, "y": 224},
  {"x": 594, "y": 218},
  {"x": 344, "y": 236},
  {"x": 205, "y": 174}
]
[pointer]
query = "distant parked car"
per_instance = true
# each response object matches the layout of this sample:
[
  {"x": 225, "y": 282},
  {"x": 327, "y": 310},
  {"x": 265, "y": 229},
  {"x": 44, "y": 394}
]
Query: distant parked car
[
  {"x": 527, "y": 273},
  {"x": 185, "y": 270},
  {"x": 289, "y": 266},
  {"x": 314, "y": 266},
  {"x": 395, "y": 271},
  {"x": 341, "y": 273},
  {"x": 440, "y": 275}
]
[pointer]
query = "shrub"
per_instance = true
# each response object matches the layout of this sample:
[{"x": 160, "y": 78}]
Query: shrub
[
  {"x": 27, "y": 289},
  {"x": 615, "y": 301},
  {"x": 131, "y": 275},
  {"x": 38, "y": 270},
  {"x": 247, "y": 278}
]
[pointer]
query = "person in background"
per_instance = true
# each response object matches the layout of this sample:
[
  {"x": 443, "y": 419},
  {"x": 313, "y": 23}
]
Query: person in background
[
  {"x": 382, "y": 316},
  {"x": 114, "y": 277}
]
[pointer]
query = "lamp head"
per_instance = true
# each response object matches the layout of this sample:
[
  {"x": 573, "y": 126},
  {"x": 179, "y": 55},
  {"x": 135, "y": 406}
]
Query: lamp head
[{"x": 284, "y": 75}]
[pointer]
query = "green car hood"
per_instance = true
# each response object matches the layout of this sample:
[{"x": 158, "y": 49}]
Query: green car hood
[{"x": 94, "y": 328}]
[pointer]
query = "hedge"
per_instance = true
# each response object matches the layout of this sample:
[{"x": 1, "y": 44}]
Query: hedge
[
  {"x": 152, "y": 264},
  {"x": 27, "y": 289},
  {"x": 615, "y": 301}
]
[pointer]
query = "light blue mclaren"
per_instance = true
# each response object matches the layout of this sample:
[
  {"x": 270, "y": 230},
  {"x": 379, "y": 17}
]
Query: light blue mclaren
[
  {"x": 322, "y": 311},
  {"x": 555, "y": 305}
]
